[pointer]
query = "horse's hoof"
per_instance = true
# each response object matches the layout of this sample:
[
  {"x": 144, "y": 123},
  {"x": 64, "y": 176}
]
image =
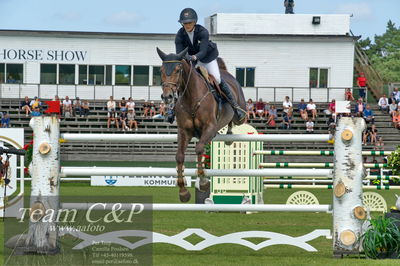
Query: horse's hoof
[
  {"x": 205, "y": 185},
  {"x": 184, "y": 196}
]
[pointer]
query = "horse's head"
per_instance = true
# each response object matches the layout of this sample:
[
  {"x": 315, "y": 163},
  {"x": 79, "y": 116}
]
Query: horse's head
[{"x": 171, "y": 74}]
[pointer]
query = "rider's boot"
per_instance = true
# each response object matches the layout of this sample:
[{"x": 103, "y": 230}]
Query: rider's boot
[{"x": 241, "y": 114}]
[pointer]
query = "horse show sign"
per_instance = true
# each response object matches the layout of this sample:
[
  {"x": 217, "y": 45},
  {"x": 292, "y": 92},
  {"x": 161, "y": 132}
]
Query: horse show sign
[{"x": 136, "y": 181}]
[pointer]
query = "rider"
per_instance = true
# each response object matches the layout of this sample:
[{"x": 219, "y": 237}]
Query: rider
[{"x": 203, "y": 51}]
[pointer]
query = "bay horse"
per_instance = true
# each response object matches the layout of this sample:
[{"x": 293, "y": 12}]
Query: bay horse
[{"x": 196, "y": 110}]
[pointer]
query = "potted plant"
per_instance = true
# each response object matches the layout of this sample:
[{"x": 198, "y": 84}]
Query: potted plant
[
  {"x": 394, "y": 161},
  {"x": 382, "y": 239}
]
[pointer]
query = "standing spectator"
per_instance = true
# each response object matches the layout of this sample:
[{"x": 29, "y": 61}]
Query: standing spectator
[
  {"x": 131, "y": 119},
  {"x": 5, "y": 121},
  {"x": 111, "y": 105},
  {"x": 369, "y": 114},
  {"x": 152, "y": 107},
  {"x": 25, "y": 106},
  {"x": 161, "y": 109},
  {"x": 122, "y": 105},
  {"x": 312, "y": 109},
  {"x": 392, "y": 108},
  {"x": 362, "y": 84},
  {"x": 85, "y": 108},
  {"x": 383, "y": 103},
  {"x": 146, "y": 109},
  {"x": 303, "y": 110},
  {"x": 123, "y": 120},
  {"x": 287, "y": 105},
  {"x": 289, "y": 4},
  {"x": 309, "y": 126},
  {"x": 359, "y": 108},
  {"x": 348, "y": 95},
  {"x": 260, "y": 105},
  {"x": 112, "y": 119},
  {"x": 78, "y": 107},
  {"x": 67, "y": 107},
  {"x": 396, "y": 94},
  {"x": 272, "y": 115}
]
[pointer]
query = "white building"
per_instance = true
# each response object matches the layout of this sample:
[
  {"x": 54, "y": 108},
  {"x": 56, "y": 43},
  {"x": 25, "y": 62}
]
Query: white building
[{"x": 271, "y": 55}]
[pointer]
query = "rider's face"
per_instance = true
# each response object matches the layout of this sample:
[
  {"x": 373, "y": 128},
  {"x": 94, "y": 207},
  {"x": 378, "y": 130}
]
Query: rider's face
[{"x": 189, "y": 26}]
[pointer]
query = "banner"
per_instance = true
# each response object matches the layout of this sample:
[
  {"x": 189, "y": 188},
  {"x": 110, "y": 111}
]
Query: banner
[{"x": 137, "y": 181}]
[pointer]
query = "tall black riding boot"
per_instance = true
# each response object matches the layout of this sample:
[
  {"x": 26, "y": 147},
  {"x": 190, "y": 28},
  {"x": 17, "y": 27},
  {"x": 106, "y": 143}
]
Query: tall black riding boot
[{"x": 241, "y": 114}]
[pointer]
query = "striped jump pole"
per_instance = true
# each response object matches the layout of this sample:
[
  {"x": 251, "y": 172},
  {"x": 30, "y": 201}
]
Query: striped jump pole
[
  {"x": 151, "y": 138},
  {"x": 150, "y": 171},
  {"x": 296, "y": 186},
  {"x": 299, "y": 181},
  {"x": 316, "y": 165},
  {"x": 325, "y": 153}
]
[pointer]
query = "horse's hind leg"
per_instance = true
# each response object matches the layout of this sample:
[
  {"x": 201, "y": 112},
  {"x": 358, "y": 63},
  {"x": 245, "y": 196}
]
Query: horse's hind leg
[
  {"x": 206, "y": 137},
  {"x": 183, "y": 141}
]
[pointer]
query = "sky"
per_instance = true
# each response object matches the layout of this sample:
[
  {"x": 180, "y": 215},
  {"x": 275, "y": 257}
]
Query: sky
[{"x": 154, "y": 16}]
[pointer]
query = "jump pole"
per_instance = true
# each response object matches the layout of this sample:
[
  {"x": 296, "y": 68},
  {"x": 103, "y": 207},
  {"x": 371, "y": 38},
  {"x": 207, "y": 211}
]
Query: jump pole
[{"x": 325, "y": 153}]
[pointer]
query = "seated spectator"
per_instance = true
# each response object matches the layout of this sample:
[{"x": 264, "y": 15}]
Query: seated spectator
[
  {"x": 396, "y": 119},
  {"x": 266, "y": 109},
  {"x": 153, "y": 111},
  {"x": 123, "y": 120},
  {"x": 373, "y": 133},
  {"x": 287, "y": 105},
  {"x": 331, "y": 108},
  {"x": 359, "y": 108},
  {"x": 56, "y": 98},
  {"x": 25, "y": 106},
  {"x": 11, "y": 79},
  {"x": 130, "y": 104},
  {"x": 36, "y": 111},
  {"x": 131, "y": 119},
  {"x": 111, "y": 105},
  {"x": 380, "y": 145},
  {"x": 260, "y": 106},
  {"x": 112, "y": 119},
  {"x": 383, "y": 104},
  {"x": 348, "y": 95},
  {"x": 67, "y": 107},
  {"x": 303, "y": 110},
  {"x": 392, "y": 100},
  {"x": 272, "y": 115},
  {"x": 396, "y": 94},
  {"x": 309, "y": 126},
  {"x": 331, "y": 125},
  {"x": 392, "y": 108},
  {"x": 85, "y": 108},
  {"x": 5, "y": 121},
  {"x": 146, "y": 109},
  {"x": 77, "y": 107},
  {"x": 122, "y": 105},
  {"x": 368, "y": 114},
  {"x": 312, "y": 109},
  {"x": 287, "y": 120},
  {"x": 161, "y": 109},
  {"x": 35, "y": 103},
  {"x": 365, "y": 136}
]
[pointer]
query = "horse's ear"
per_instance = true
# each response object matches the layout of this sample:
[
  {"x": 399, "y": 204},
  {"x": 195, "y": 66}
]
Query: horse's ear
[
  {"x": 161, "y": 54},
  {"x": 183, "y": 53}
]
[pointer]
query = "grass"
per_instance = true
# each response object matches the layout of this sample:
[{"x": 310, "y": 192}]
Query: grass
[{"x": 170, "y": 223}]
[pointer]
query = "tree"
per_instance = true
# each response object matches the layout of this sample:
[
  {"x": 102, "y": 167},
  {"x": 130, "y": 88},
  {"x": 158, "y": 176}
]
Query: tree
[{"x": 384, "y": 53}]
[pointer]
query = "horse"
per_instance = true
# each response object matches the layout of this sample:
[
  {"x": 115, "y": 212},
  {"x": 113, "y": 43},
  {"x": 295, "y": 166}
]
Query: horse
[{"x": 196, "y": 109}]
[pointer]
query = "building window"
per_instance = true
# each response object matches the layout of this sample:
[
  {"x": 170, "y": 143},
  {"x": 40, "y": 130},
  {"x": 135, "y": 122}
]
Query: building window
[
  {"x": 141, "y": 75},
  {"x": 83, "y": 75},
  {"x": 122, "y": 75},
  {"x": 319, "y": 77},
  {"x": 245, "y": 76},
  {"x": 2, "y": 76},
  {"x": 108, "y": 74},
  {"x": 156, "y": 76},
  {"x": 96, "y": 75},
  {"x": 66, "y": 74},
  {"x": 48, "y": 73},
  {"x": 14, "y": 73}
]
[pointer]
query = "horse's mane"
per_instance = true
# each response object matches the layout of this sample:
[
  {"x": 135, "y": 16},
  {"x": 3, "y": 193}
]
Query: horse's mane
[{"x": 221, "y": 64}]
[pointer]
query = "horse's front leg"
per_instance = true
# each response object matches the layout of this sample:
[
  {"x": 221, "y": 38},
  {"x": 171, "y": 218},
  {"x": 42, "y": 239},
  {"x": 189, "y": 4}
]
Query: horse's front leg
[
  {"x": 183, "y": 141},
  {"x": 206, "y": 137},
  {"x": 229, "y": 132}
]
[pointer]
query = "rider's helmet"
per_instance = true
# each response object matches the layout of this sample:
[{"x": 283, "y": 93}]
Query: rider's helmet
[{"x": 187, "y": 15}]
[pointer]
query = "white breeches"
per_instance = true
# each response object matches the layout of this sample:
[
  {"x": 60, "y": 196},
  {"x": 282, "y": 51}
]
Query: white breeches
[{"x": 212, "y": 68}]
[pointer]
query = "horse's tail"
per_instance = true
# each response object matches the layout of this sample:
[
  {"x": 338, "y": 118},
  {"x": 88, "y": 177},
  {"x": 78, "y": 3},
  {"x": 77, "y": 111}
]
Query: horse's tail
[{"x": 221, "y": 64}]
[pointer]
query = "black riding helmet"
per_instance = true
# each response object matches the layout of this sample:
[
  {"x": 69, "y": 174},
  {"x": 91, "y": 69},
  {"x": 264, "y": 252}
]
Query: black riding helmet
[{"x": 188, "y": 15}]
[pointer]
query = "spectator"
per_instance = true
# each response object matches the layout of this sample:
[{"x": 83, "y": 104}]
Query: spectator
[
  {"x": 392, "y": 108},
  {"x": 396, "y": 119},
  {"x": 312, "y": 109},
  {"x": 373, "y": 133},
  {"x": 111, "y": 105},
  {"x": 112, "y": 119},
  {"x": 260, "y": 106},
  {"x": 146, "y": 109},
  {"x": 383, "y": 103},
  {"x": 331, "y": 108},
  {"x": 365, "y": 136},
  {"x": 122, "y": 105},
  {"x": 161, "y": 109},
  {"x": 85, "y": 108},
  {"x": 359, "y": 108},
  {"x": 396, "y": 94},
  {"x": 272, "y": 115},
  {"x": 77, "y": 107},
  {"x": 67, "y": 107},
  {"x": 380, "y": 145},
  {"x": 303, "y": 110},
  {"x": 368, "y": 114},
  {"x": 392, "y": 100},
  {"x": 11, "y": 79},
  {"x": 309, "y": 126},
  {"x": 56, "y": 98},
  {"x": 348, "y": 95},
  {"x": 266, "y": 109},
  {"x": 331, "y": 125},
  {"x": 131, "y": 119},
  {"x": 153, "y": 111},
  {"x": 362, "y": 84},
  {"x": 36, "y": 111},
  {"x": 287, "y": 120},
  {"x": 130, "y": 104},
  {"x": 35, "y": 103},
  {"x": 25, "y": 106},
  {"x": 5, "y": 121},
  {"x": 123, "y": 120},
  {"x": 287, "y": 105},
  {"x": 289, "y": 4}
]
